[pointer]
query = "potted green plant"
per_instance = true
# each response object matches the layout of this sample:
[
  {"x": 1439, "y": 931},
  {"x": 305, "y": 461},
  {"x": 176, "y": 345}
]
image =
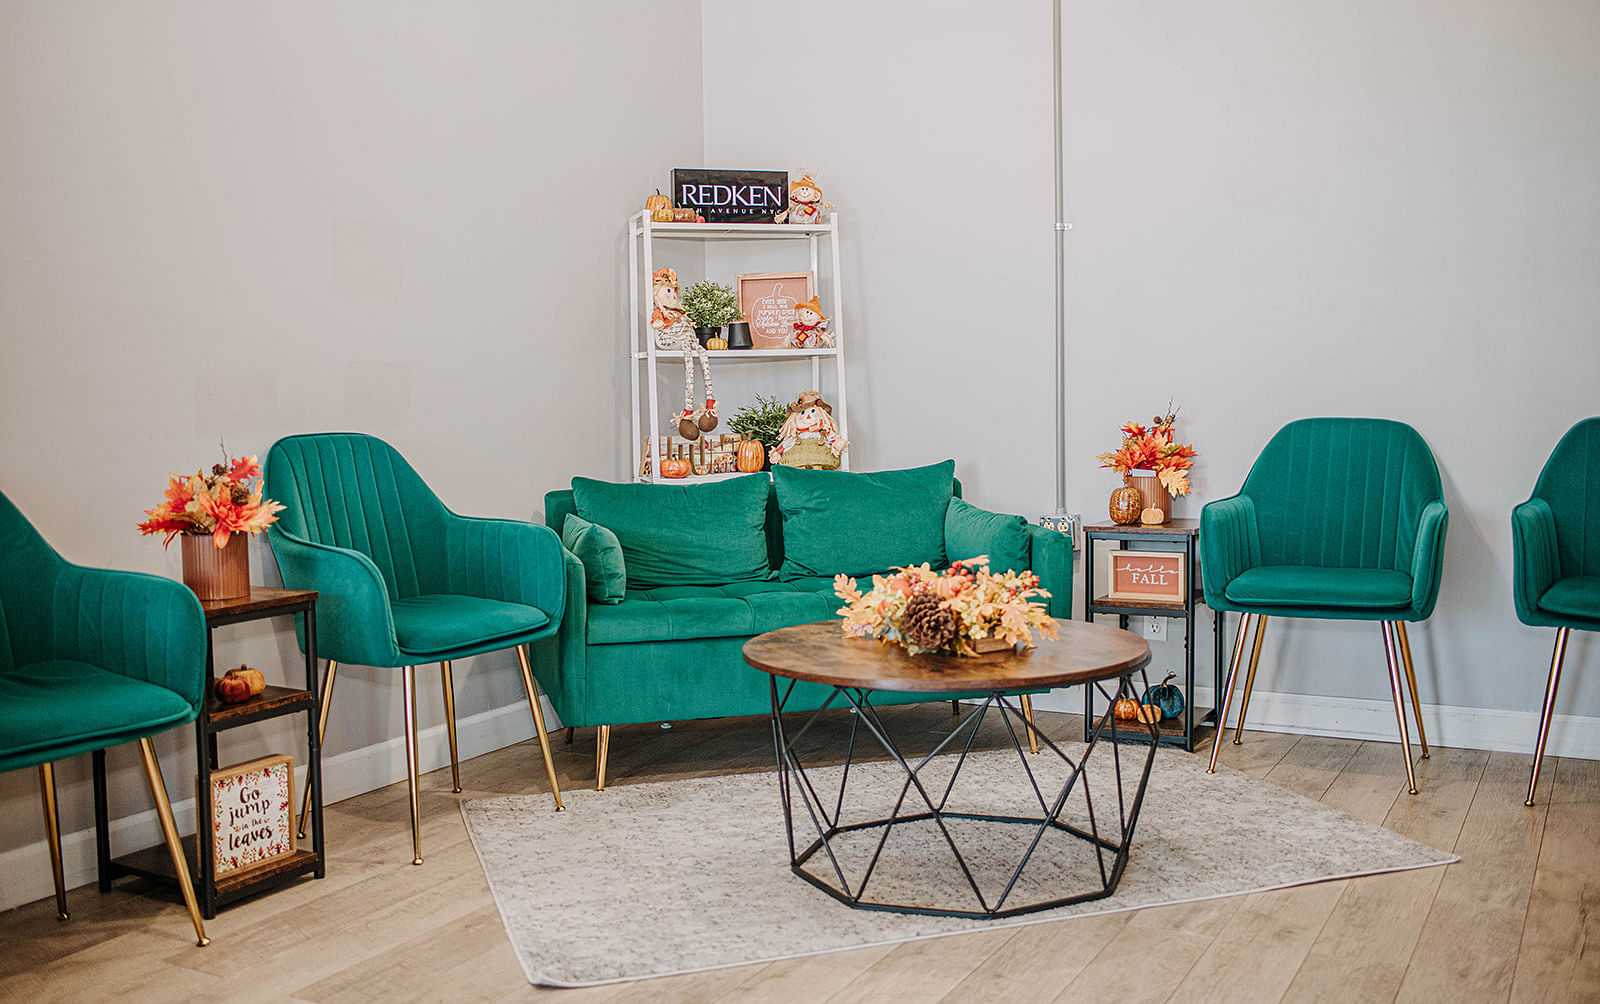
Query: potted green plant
[
  {"x": 710, "y": 305},
  {"x": 763, "y": 422}
]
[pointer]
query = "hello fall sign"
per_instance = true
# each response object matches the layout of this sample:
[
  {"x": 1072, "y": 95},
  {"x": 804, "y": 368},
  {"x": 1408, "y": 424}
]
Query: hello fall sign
[{"x": 251, "y": 822}]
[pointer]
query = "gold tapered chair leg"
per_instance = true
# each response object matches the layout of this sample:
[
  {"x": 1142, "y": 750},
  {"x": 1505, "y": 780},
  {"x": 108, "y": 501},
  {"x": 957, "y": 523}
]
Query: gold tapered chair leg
[
  {"x": 1227, "y": 690},
  {"x": 1391, "y": 652},
  {"x": 1548, "y": 711},
  {"x": 52, "y": 835},
  {"x": 531, "y": 685},
  {"x": 169, "y": 832},
  {"x": 1411, "y": 681},
  {"x": 602, "y": 752},
  {"x": 409, "y": 682},
  {"x": 1027, "y": 714},
  {"x": 323, "y": 704},
  {"x": 449, "y": 687},
  {"x": 1250, "y": 677}
]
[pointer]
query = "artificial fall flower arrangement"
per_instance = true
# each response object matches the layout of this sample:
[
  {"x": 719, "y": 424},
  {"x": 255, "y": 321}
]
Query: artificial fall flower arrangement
[
  {"x": 965, "y": 610},
  {"x": 1154, "y": 449},
  {"x": 218, "y": 504}
]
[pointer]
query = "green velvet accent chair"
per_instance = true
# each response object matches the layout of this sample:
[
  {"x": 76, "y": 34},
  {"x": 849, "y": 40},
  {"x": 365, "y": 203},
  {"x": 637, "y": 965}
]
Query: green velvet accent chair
[
  {"x": 674, "y": 653},
  {"x": 1339, "y": 518},
  {"x": 403, "y": 581},
  {"x": 90, "y": 659},
  {"x": 1555, "y": 568}
]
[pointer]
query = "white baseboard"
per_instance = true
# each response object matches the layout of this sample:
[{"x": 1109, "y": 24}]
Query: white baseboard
[
  {"x": 1362, "y": 718},
  {"x": 25, "y": 871}
]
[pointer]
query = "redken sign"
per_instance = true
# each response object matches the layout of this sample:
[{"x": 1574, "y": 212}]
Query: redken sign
[{"x": 731, "y": 196}]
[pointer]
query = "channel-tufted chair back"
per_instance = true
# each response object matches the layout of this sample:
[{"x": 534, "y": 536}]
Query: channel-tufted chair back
[{"x": 1570, "y": 485}]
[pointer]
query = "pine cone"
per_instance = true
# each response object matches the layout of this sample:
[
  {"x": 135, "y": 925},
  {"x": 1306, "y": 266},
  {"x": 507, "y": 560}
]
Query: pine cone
[
  {"x": 240, "y": 495},
  {"x": 928, "y": 625}
]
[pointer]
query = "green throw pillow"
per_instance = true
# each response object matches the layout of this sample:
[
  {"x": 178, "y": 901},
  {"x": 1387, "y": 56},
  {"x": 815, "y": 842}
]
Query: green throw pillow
[
  {"x": 683, "y": 535},
  {"x": 970, "y": 531},
  {"x": 605, "y": 573},
  {"x": 838, "y": 522}
]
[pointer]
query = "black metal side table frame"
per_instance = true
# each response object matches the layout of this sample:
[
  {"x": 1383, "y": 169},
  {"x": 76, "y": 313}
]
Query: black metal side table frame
[
  {"x": 793, "y": 778},
  {"x": 215, "y": 718}
]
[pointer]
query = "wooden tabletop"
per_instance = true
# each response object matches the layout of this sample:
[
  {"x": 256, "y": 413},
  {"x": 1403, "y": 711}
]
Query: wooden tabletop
[
  {"x": 820, "y": 653},
  {"x": 260, "y": 600},
  {"x": 1184, "y": 526}
]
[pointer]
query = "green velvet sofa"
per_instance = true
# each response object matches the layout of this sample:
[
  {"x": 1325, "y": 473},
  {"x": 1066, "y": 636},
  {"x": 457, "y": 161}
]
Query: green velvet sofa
[{"x": 673, "y": 653}]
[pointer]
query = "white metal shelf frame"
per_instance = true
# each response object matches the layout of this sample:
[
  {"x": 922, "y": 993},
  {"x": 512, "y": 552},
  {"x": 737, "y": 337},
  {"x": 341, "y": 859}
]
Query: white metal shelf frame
[{"x": 642, "y": 233}]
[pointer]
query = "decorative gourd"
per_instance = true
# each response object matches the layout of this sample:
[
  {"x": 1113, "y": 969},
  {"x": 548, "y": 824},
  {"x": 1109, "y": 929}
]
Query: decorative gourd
[
  {"x": 239, "y": 685},
  {"x": 674, "y": 466},
  {"x": 1125, "y": 504},
  {"x": 683, "y": 215},
  {"x": 1149, "y": 714},
  {"x": 718, "y": 344},
  {"x": 752, "y": 456},
  {"x": 1166, "y": 696},
  {"x": 1125, "y": 709},
  {"x": 659, "y": 206}
]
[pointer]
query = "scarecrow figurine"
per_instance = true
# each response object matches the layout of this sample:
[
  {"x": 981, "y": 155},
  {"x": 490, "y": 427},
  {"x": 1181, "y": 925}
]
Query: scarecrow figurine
[
  {"x": 805, "y": 203},
  {"x": 809, "y": 438},
  {"x": 675, "y": 332},
  {"x": 811, "y": 326}
]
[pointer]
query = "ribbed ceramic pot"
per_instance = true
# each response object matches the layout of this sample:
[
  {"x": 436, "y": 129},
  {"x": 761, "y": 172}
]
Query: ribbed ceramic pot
[
  {"x": 1154, "y": 495},
  {"x": 216, "y": 574}
]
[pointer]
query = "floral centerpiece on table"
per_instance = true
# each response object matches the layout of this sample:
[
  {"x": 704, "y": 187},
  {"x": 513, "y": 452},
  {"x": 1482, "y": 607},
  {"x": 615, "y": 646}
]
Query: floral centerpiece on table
[
  {"x": 216, "y": 505},
  {"x": 964, "y": 610},
  {"x": 1155, "y": 449}
]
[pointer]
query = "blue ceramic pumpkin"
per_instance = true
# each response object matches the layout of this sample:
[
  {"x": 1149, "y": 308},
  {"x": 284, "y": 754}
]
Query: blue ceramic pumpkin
[{"x": 1166, "y": 696}]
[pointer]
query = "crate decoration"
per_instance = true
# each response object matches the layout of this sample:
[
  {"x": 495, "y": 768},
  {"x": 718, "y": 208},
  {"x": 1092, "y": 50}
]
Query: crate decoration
[{"x": 251, "y": 814}]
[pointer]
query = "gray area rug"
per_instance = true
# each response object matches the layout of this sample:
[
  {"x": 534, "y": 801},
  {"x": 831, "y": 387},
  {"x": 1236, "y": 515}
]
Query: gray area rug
[{"x": 651, "y": 880}]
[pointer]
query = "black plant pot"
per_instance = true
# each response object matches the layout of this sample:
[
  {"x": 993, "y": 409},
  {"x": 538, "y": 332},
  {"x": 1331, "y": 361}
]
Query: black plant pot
[
  {"x": 706, "y": 334},
  {"x": 739, "y": 335}
]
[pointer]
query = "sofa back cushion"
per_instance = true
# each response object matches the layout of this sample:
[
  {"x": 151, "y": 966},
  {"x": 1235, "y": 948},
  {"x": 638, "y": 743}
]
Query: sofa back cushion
[
  {"x": 682, "y": 535},
  {"x": 970, "y": 531},
  {"x": 605, "y": 571},
  {"x": 839, "y": 522}
]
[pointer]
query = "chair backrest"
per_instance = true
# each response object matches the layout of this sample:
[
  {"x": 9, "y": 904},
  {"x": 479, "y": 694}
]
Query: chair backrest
[
  {"x": 1570, "y": 484},
  {"x": 1342, "y": 493},
  {"x": 357, "y": 492},
  {"x": 28, "y": 569}
]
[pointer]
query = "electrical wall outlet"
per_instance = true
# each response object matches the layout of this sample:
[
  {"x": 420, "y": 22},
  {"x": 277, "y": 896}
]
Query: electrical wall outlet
[{"x": 1154, "y": 628}]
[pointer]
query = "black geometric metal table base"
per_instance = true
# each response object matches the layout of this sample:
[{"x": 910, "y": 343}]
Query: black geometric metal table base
[{"x": 1111, "y": 854}]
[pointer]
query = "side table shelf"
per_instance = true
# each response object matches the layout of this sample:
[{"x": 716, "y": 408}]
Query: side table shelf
[{"x": 215, "y": 718}]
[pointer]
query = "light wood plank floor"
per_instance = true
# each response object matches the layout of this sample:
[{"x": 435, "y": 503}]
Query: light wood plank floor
[{"x": 1512, "y": 921}]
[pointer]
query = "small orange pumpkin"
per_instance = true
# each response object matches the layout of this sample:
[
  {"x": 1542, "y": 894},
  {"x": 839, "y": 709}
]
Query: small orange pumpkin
[
  {"x": 684, "y": 215},
  {"x": 1149, "y": 714},
  {"x": 674, "y": 466},
  {"x": 1125, "y": 709},
  {"x": 752, "y": 456},
  {"x": 659, "y": 207}
]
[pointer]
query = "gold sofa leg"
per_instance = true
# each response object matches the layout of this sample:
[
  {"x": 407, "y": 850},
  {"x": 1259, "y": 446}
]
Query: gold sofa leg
[
  {"x": 409, "y": 682},
  {"x": 1027, "y": 714},
  {"x": 52, "y": 833},
  {"x": 1411, "y": 681},
  {"x": 1250, "y": 678},
  {"x": 324, "y": 702},
  {"x": 449, "y": 687},
  {"x": 1548, "y": 711},
  {"x": 169, "y": 832},
  {"x": 1227, "y": 690},
  {"x": 602, "y": 752},
  {"x": 531, "y": 685},
  {"x": 1391, "y": 654}
]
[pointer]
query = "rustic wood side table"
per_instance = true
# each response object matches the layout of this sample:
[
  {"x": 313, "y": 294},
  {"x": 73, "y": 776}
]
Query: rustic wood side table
[{"x": 215, "y": 718}]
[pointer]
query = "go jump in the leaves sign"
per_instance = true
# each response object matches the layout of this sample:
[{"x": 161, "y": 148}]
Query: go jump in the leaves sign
[{"x": 250, "y": 814}]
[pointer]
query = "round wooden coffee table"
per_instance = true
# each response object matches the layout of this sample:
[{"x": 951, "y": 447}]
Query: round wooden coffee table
[{"x": 1106, "y": 658}]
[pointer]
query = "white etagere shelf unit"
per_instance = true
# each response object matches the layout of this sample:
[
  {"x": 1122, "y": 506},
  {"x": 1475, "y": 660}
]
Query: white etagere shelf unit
[{"x": 643, "y": 233}]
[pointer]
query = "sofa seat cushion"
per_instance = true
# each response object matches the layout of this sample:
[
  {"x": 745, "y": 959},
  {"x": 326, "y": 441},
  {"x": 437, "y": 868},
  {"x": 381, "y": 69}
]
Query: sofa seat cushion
[
  {"x": 1311, "y": 586},
  {"x": 60, "y": 703},
  {"x": 444, "y": 622},
  {"x": 736, "y": 610},
  {"x": 1575, "y": 596}
]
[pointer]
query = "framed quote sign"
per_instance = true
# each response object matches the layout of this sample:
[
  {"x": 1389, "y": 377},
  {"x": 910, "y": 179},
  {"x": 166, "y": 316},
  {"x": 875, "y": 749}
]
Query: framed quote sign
[
  {"x": 767, "y": 300},
  {"x": 251, "y": 822},
  {"x": 723, "y": 196},
  {"x": 1154, "y": 576}
]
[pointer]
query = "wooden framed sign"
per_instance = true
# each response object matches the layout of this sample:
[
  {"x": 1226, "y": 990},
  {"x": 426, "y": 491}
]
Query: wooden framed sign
[
  {"x": 723, "y": 196},
  {"x": 767, "y": 300},
  {"x": 1152, "y": 576},
  {"x": 251, "y": 814}
]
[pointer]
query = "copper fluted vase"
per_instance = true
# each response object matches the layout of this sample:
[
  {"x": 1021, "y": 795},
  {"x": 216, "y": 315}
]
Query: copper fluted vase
[{"x": 216, "y": 573}]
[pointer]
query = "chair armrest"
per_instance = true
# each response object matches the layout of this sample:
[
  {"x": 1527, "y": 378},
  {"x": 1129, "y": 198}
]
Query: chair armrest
[
  {"x": 1230, "y": 544},
  {"x": 1050, "y": 557},
  {"x": 1427, "y": 557},
  {"x": 506, "y": 560},
  {"x": 1535, "y": 561},
  {"x": 144, "y": 627},
  {"x": 561, "y": 661},
  {"x": 354, "y": 621}
]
